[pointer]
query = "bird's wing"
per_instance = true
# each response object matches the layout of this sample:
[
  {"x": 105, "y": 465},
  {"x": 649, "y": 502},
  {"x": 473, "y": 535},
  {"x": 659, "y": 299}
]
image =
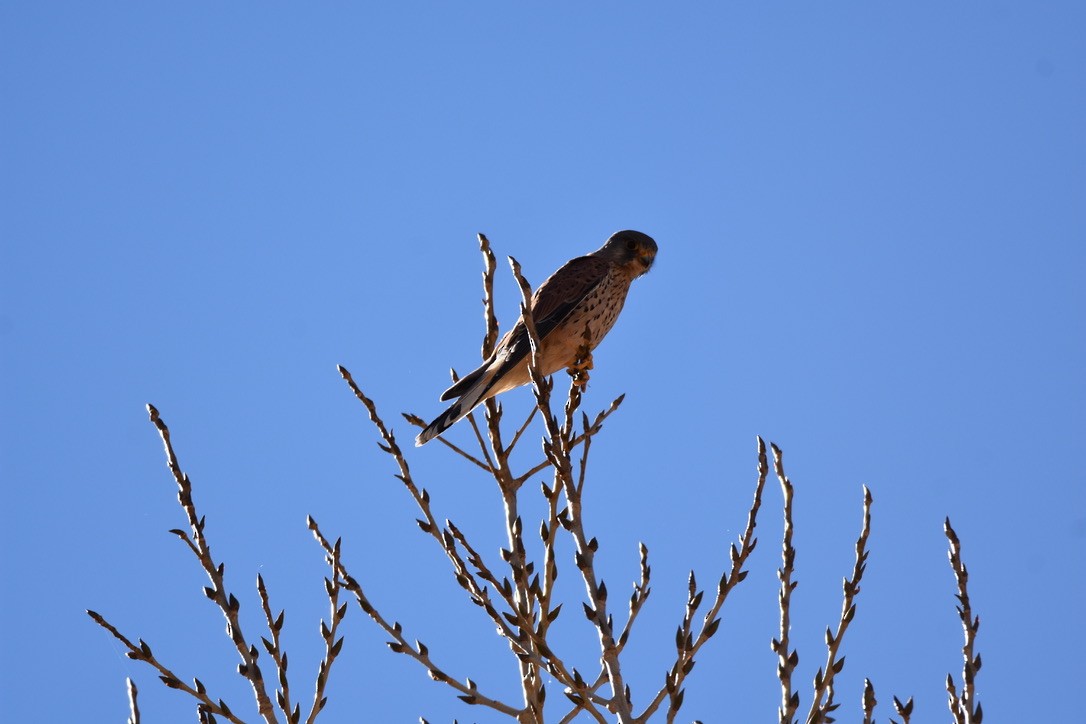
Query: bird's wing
[
  {"x": 555, "y": 299},
  {"x": 551, "y": 303}
]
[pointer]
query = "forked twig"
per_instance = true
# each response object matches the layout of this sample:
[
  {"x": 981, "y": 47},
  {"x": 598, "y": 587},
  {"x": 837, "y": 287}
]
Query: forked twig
[
  {"x": 484, "y": 466},
  {"x": 905, "y": 711}
]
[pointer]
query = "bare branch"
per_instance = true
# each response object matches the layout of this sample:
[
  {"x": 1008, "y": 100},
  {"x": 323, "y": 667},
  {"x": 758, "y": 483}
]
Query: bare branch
[
  {"x": 419, "y": 422},
  {"x": 869, "y": 702},
  {"x": 275, "y": 626},
  {"x": 965, "y": 708},
  {"x": 823, "y": 682},
  {"x": 197, "y": 542},
  {"x": 787, "y": 659},
  {"x": 588, "y": 432},
  {"x": 490, "y": 264},
  {"x": 332, "y": 642},
  {"x": 133, "y": 703},
  {"x": 429, "y": 523},
  {"x": 142, "y": 652},
  {"x": 638, "y": 597},
  {"x": 519, "y": 600},
  {"x": 557, "y": 446},
  {"x": 524, "y": 625},
  {"x": 689, "y": 647},
  {"x": 469, "y": 692}
]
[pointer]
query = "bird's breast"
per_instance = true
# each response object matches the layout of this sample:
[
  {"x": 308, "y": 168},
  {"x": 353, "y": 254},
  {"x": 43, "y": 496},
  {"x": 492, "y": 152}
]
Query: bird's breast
[{"x": 598, "y": 311}]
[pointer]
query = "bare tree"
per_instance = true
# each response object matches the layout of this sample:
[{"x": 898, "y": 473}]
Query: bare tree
[{"x": 517, "y": 593}]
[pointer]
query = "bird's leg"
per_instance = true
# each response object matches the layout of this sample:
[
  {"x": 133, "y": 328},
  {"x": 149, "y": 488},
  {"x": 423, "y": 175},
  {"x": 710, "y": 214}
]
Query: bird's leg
[
  {"x": 580, "y": 367},
  {"x": 582, "y": 363}
]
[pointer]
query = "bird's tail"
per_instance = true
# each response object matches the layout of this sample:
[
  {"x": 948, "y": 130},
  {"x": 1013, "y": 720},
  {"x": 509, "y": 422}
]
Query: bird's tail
[{"x": 457, "y": 411}]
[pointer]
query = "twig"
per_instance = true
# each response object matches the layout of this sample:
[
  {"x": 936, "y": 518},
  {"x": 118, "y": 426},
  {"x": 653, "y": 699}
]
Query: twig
[
  {"x": 133, "y": 703},
  {"x": 195, "y": 539},
  {"x": 905, "y": 711},
  {"x": 469, "y": 692},
  {"x": 965, "y": 708},
  {"x": 467, "y": 580},
  {"x": 579, "y": 439},
  {"x": 217, "y": 592},
  {"x": 419, "y": 422},
  {"x": 823, "y": 682},
  {"x": 429, "y": 524},
  {"x": 522, "y": 428},
  {"x": 638, "y": 597},
  {"x": 786, "y": 659},
  {"x": 529, "y": 614},
  {"x": 196, "y": 542},
  {"x": 522, "y": 600},
  {"x": 279, "y": 657},
  {"x": 490, "y": 265},
  {"x": 142, "y": 652},
  {"x": 556, "y": 447},
  {"x": 526, "y": 595},
  {"x": 332, "y": 643},
  {"x": 686, "y": 644},
  {"x": 869, "y": 702},
  {"x": 492, "y": 410}
]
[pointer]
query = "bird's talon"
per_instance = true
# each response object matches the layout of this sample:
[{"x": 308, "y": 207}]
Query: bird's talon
[
  {"x": 580, "y": 377},
  {"x": 583, "y": 361},
  {"x": 580, "y": 367}
]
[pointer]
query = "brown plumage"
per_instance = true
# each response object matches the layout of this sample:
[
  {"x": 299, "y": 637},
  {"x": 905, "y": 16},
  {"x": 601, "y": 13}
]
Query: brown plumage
[{"x": 589, "y": 290}]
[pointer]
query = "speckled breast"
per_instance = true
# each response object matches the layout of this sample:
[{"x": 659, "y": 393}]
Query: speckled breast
[{"x": 600, "y": 309}]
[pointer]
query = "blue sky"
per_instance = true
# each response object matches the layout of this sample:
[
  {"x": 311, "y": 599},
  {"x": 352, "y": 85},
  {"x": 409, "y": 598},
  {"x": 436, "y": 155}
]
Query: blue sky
[{"x": 871, "y": 220}]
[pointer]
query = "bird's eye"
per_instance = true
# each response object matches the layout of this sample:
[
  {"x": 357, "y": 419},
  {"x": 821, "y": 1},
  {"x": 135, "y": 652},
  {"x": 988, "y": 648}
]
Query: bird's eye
[{"x": 631, "y": 244}]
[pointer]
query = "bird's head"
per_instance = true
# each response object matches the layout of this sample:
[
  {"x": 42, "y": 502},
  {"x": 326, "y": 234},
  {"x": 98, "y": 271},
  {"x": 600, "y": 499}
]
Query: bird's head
[{"x": 631, "y": 249}]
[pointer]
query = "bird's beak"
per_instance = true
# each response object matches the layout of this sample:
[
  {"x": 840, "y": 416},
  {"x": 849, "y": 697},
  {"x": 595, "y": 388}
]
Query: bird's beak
[{"x": 646, "y": 261}]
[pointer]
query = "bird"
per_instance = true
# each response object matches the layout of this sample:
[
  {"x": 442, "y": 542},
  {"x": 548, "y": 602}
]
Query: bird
[{"x": 573, "y": 310}]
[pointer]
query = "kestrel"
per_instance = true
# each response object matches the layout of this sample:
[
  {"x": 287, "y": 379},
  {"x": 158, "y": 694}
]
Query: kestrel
[{"x": 588, "y": 291}]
